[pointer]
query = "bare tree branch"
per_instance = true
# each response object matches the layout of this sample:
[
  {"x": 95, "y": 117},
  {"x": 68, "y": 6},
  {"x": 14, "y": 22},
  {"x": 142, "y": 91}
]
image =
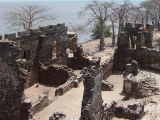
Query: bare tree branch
[{"x": 28, "y": 17}]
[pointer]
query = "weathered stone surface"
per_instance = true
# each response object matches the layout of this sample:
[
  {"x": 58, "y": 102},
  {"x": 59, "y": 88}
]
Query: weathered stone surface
[
  {"x": 134, "y": 67},
  {"x": 41, "y": 103},
  {"x": 137, "y": 35},
  {"x": 11, "y": 85},
  {"x": 57, "y": 116},
  {"x": 11, "y": 36},
  {"x": 142, "y": 85},
  {"x": 107, "y": 68},
  {"x": 69, "y": 84},
  {"x": 131, "y": 111},
  {"x": 146, "y": 57},
  {"x": 72, "y": 41},
  {"x": 55, "y": 75},
  {"x": 81, "y": 60},
  {"x": 106, "y": 86},
  {"x": 92, "y": 108}
]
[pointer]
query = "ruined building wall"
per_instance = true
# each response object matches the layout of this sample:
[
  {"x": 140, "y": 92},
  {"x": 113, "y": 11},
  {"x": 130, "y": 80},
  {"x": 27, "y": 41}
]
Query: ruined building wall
[
  {"x": 92, "y": 108},
  {"x": 146, "y": 57},
  {"x": 107, "y": 68},
  {"x": 92, "y": 99},
  {"x": 143, "y": 53},
  {"x": 11, "y": 85}
]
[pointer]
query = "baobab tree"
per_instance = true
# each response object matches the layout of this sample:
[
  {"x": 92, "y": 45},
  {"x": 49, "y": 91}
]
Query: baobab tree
[
  {"x": 98, "y": 12},
  {"x": 152, "y": 9},
  {"x": 27, "y": 17},
  {"x": 122, "y": 13},
  {"x": 113, "y": 18}
]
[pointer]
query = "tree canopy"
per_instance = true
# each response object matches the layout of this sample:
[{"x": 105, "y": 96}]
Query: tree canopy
[{"x": 96, "y": 31}]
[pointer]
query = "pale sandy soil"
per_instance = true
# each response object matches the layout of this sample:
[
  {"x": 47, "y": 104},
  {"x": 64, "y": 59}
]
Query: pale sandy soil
[
  {"x": 91, "y": 49},
  {"x": 70, "y": 103},
  {"x": 34, "y": 92}
]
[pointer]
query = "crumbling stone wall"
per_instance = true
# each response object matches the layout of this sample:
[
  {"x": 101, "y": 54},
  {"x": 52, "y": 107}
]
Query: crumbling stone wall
[
  {"x": 72, "y": 41},
  {"x": 142, "y": 53},
  {"x": 92, "y": 108},
  {"x": 81, "y": 59},
  {"x": 11, "y": 36},
  {"x": 139, "y": 83},
  {"x": 55, "y": 75},
  {"x": 138, "y": 35},
  {"x": 146, "y": 57},
  {"x": 46, "y": 45},
  {"x": 92, "y": 99},
  {"x": 11, "y": 85},
  {"x": 107, "y": 68}
]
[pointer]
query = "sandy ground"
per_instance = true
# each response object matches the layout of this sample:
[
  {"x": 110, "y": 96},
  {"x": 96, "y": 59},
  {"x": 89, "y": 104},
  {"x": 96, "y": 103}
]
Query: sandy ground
[
  {"x": 34, "y": 92},
  {"x": 70, "y": 103},
  {"x": 91, "y": 49}
]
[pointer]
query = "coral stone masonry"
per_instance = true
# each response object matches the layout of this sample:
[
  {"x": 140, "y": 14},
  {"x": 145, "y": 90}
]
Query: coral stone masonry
[{"x": 11, "y": 85}]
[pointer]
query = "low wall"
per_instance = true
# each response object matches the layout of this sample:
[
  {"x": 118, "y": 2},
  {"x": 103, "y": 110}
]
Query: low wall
[
  {"x": 62, "y": 89},
  {"x": 78, "y": 63},
  {"x": 55, "y": 75},
  {"x": 107, "y": 67},
  {"x": 41, "y": 103},
  {"x": 146, "y": 57}
]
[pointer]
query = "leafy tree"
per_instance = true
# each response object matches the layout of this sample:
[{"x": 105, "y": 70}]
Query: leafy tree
[{"x": 96, "y": 31}]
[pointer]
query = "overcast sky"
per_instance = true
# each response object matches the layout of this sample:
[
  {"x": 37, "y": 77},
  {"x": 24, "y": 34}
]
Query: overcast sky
[
  {"x": 65, "y": 11},
  {"x": 135, "y": 1}
]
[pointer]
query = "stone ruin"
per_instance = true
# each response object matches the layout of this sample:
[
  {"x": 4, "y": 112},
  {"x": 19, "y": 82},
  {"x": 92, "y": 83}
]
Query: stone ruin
[
  {"x": 46, "y": 45},
  {"x": 141, "y": 50},
  {"x": 12, "y": 101},
  {"x": 28, "y": 57},
  {"x": 136, "y": 36},
  {"x": 137, "y": 83},
  {"x": 132, "y": 111},
  {"x": 57, "y": 116},
  {"x": 92, "y": 108}
]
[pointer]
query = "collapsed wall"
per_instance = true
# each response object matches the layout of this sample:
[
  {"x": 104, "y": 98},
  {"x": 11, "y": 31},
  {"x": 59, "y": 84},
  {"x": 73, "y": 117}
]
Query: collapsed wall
[
  {"x": 146, "y": 57},
  {"x": 55, "y": 75},
  {"x": 12, "y": 102},
  {"x": 138, "y": 83},
  {"x": 142, "y": 52},
  {"x": 92, "y": 108}
]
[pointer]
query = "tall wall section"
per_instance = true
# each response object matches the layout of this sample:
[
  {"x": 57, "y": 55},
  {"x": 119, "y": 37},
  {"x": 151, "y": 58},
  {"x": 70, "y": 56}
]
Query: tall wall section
[{"x": 12, "y": 105}]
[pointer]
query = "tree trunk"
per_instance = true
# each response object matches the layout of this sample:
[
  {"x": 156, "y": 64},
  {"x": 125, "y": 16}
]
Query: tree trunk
[
  {"x": 121, "y": 25},
  {"x": 101, "y": 46},
  {"x": 113, "y": 34}
]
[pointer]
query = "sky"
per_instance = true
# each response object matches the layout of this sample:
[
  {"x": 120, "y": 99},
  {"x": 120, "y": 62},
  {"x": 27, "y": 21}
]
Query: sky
[
  {"x": 65, "y": 11},
  {"x": 135, "y": 1}
]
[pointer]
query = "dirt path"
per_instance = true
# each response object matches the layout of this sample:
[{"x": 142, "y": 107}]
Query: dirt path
[
  {"x": 34, "y": 92},
  {"x": 70, "y": 103},
  {"x": 109, "y": 96}
]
